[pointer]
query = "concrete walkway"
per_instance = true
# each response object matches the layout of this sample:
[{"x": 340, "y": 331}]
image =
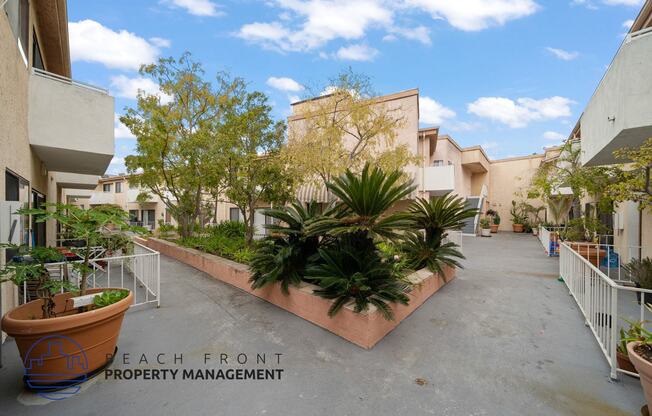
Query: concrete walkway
[{"x": 504, "y": 338}]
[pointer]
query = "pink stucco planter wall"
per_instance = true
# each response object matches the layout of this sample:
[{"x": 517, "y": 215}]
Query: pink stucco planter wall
[{"x": 363, "y": 329}]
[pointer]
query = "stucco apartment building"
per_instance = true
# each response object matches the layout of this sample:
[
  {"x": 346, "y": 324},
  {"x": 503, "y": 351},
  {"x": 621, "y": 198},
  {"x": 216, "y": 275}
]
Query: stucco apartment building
[
  {"x": 55, "y": 133},
  {"x": 443, "y": 165},
  {"x": 147, "y": 211},
  {"x": 619, "y": 114}
]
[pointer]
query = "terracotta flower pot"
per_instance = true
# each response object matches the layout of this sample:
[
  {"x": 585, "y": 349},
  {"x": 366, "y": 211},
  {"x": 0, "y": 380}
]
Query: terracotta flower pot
[
  {"x": 66, "y": 349},
  {"x": 624, "y": 363},
  {"x": 644, "y": 368},
  {"x": 589, "y": 252},
  {"x": 517, "y": 228},
  {"x": 494, "y": 228}
]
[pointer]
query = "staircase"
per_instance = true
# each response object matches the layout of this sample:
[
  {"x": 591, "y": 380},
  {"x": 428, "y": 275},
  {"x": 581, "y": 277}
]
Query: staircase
[{"x": 471, "y": 224}]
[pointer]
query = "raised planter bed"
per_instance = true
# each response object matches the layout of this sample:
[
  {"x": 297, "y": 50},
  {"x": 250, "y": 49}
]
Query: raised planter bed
[{"x": 363, "y": 329}]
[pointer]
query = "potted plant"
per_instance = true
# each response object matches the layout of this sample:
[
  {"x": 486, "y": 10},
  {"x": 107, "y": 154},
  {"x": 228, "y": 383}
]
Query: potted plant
[
  {"x": 579, "y": 234},
  {"x": 639, "y": 350},
  {"x": 622, "y": 356},
  {"x": 535, "y": 229},
  {"x": 518, "y": 217},
  {"x": 66, "y": 316},
  {"x": 485, "y": 227},
  {"x": 640, "y": 271},
  {"x": 495, "y": 220}
]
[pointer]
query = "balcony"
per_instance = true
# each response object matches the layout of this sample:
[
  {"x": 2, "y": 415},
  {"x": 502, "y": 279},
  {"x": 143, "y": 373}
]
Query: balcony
[
  {"x": 70, "y": 124},
  {"x": 474, "y": 159},
  {"x": 132, "y": 196},
  {"x": 75, "y": 180},
  {"x": 102, "y": 198},
  {"x": 618, "y": 114},
  {"x": 438, "y": 179}
]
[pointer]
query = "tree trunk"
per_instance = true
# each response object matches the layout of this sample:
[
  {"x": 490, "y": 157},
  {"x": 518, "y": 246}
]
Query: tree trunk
[{"x": 249, "y": 218}]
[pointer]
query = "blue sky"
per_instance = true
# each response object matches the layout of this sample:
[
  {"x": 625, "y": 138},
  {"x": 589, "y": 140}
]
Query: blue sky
[{"x": 511, "y": 75}]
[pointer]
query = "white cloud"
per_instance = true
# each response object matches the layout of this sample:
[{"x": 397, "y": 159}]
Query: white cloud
[
  {"x": 120, "y": 131},
  {"x": 356, "y": 53},
  {"x": 196, "y": 7},
  {"x": 554, "y": 136},
  {"x": 125, "y": 87},
  {"x": 284, "y": 84},
  {"x": 419, "y": 33},
  {"x": 92, "y": 42},
  {"x": 521, "y": 112},
  {"x": 310, "y": 24},
  {"x": 160, "y": 42},
  {"x": 562, "y": 54},
  {"x": 627, "y": 24},
  {"x": 432, "y": 112},
  {"x": 472, "y": 15}
]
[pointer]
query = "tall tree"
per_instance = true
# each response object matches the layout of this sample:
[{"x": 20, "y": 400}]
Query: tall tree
[
  {"x": 634, "y": 181},
  {"x": 180, "y": 151},
  {"x": 256, "y": 173},
  {"x": 343, "y": 128}
]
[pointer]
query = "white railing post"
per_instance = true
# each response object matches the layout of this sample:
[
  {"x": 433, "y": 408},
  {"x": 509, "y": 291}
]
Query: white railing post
[{"x": 613, "y": 345}]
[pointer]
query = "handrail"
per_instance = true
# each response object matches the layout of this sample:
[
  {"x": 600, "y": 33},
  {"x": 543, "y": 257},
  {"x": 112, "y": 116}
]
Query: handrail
[{"x": 66, "y": 80}]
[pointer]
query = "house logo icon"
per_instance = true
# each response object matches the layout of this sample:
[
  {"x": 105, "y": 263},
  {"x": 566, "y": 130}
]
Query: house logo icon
[{"x": 66, "y": 369}]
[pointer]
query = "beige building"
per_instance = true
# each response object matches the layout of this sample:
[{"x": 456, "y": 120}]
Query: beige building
[
  {"x": 55, "y": 133},
  {"x": 148, "y": 211},
  {"x": 618, "y": 115}
]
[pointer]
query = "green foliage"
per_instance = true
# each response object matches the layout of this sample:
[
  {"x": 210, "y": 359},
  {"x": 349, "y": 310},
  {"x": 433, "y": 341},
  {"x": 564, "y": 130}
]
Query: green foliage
[
  {"x": 583, "y": 229},
  {"x": 518, "y": 212},
  {"x": 559, "y": 207},
  {"x": 423, "y": 253},
  {"x": 633, "y": 333},
  {"x": 165, "y": 229},
  {"x": 87, "y": 225},
  {"x": 435, "y": 216},
  {"x": 631, "y": 183},
  {"x": 181, "y": 143},
  {"x": 364, "y": 199},
  {"x": 233, "y": 229},
  {"x": 32, "y": 270},
  {"x": 256, "y": 172},
  {"x": 109, "y": 297},
  {"x": 284, "y": 255},
  {"x": 494, "y": 217},
  {"x": 485, "y": 223},
  {"x": 351, "y": 271},
  {"x": 640, "y": 271},
  {"x": 637, "y": 333}
]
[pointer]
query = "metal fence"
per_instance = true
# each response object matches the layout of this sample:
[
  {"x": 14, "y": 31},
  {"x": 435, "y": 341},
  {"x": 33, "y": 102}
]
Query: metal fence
[
  {"x": 549, "y": 238},
  {"x": 139, "y": 272},
  {"x": 605, "y": 303}
]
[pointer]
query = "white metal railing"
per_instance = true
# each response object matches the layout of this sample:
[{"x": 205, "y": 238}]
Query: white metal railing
[
  {"x": 549, "y": 238},
  {"x": 605, "y": 303},
  {"x": 66, "y": 80},
  {"x": 139, "y": 272}
]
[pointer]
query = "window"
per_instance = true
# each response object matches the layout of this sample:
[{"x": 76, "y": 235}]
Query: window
[
  {"x": 37, "y": 58},
  {"x": 234, "y": 214},
  {"x": 118, "y": 187},
  {"x": 450, "y": 163},
  {"x": 23, "y": 26},
  {"x": 106, "y": 187},
  {"x": 438, "y": 163},
  {"x": 133, "y": 216},
  {"x": 17, "y": 190}
]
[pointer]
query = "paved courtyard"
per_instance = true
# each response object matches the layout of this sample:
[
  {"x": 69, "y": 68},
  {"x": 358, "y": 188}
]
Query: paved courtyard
[{"x": 504, "y": 338}]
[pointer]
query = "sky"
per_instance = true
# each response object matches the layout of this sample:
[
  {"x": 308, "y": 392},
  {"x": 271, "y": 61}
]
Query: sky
[{"x": 511, "y": 75}]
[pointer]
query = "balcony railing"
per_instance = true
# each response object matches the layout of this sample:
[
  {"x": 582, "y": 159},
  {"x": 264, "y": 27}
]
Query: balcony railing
[
  {"x": 70, "y": 124},
  {"x": 438, "y": 179}
]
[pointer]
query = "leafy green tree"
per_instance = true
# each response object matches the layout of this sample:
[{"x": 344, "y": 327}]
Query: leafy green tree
[
  {"x": 180, "y": 151},
  {"x": 256, "y": 172},
  {"x": 343, "y": 129},
  {"x": 634, "y": 183}
]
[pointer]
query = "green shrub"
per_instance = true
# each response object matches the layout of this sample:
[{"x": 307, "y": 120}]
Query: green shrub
[{"x": 228, "y": 229}]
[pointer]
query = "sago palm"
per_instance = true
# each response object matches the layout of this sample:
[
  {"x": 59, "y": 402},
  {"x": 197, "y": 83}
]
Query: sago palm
[
  {"x": 282, "y": 257},
  {"x": 363, "y": 201},
  {"x": 350, "y": 272},
  {"x": 435, "y": 216},
  {"x": 420, "y": 253}
]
